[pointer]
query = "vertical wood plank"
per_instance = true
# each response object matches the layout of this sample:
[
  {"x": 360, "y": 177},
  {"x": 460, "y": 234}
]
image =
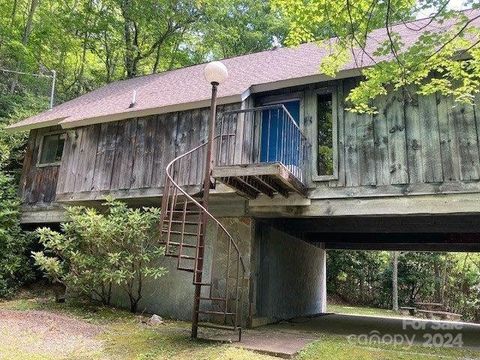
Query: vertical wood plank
[
  {"x": 159, "y": 148},
  {"x": 397, "y": 145},
  {"x": 415, "y": 143},
  {"x": 143, "y": 153},
  {"x": 124, "y": 155},
  {"x": 366, "y": 150},
  {"x": 28, "y": 167},
  {"x": 463, "y": 120},
  {"x": 341, "y": 134},
  {"x": 105, "y": 156},
  {"x": 164, "y": 149},
  {"x": 86, "y": 163},
  {"x": 448, "y": 141},
  {"x": 198, "y": 161},
  {"x": 351, "y": 148},
  {"x": 382, "y": 162},
  {"x": 75, "y": 139},
  {"x": 182, "y": 143},
  {"x": 430, "y": 139}
]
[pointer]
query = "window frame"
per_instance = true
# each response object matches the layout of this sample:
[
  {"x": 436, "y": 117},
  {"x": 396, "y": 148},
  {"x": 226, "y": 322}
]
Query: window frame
[
  {"x": 42, "y": 143},
  {"x": 315, "y": 177},
  {"x": 283, "y": 98}
]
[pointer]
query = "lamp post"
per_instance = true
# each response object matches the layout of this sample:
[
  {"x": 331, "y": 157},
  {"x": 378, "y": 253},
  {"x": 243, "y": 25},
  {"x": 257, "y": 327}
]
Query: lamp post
[{"x": 215, "y": 73}]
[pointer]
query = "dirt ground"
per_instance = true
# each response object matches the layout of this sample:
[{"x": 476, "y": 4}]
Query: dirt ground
[
  {"x": 42, "y": 333},
  {"x": 40, "y": 329}
]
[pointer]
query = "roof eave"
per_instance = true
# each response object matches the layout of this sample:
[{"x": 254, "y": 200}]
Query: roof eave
[
  {"x": 68, "y": 124},
  {"x": 14, "y": 128},
  {"x": 311, "y": 79}
]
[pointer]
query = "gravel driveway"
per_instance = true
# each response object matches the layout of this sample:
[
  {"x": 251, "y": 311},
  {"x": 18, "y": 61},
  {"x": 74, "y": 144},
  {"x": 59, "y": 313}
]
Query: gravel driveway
[{"x": 44, "y": 334}]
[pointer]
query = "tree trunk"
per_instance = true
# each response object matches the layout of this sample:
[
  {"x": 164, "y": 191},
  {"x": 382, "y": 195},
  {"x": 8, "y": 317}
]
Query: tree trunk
[
  {"x": 25, "y": 36},
  {"x": 438, "y": 280},
  {"x": 395, "y": 281},
  {"x": 14, "y": 12},
  {"x": 28, "y": 25}
]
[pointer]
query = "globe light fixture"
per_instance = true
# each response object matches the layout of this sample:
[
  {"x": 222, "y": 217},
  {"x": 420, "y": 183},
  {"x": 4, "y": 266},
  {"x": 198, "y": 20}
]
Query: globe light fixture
[{"x": 215, "y": 72}]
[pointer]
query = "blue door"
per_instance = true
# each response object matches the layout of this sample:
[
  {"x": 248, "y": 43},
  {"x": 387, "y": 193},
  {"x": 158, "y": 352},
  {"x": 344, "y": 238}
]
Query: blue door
[{"x": 279, "y": 138}]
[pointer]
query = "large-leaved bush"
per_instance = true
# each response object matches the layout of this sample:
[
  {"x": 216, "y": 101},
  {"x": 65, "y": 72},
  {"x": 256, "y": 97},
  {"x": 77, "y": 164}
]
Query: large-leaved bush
[{"x": 95, "y": 251}]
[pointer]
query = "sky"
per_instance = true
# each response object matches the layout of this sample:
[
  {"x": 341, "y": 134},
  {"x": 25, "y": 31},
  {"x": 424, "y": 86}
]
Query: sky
[{"x": 453, "y": 4}]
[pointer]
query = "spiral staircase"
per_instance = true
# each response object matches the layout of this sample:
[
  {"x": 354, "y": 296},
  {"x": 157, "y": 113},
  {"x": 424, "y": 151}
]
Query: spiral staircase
[{"x": 184, "y": 220}]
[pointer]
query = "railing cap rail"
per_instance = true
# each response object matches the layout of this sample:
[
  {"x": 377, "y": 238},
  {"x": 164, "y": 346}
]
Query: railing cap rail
[{"x": 269, "y": 107}]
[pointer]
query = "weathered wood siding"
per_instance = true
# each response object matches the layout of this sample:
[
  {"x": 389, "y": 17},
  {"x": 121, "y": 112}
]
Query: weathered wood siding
[
  {"x": 129, "y": 157},
  {"x": 38, "y": 184},
  {"x": 415, "y": 144}
]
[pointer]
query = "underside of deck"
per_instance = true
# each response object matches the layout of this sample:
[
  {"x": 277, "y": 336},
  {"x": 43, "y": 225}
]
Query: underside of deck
[{"x": 265, "y": 178}]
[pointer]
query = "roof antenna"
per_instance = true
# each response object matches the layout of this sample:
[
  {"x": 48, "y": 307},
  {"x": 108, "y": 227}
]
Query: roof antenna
[
  {"x": 276, "y": 43},
  {"x": 134, "y": 99}
]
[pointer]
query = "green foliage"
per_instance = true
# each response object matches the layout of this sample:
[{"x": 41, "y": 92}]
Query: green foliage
[
  {"x": 96, "y": 251},
  {"x": 90, "y": 43},
  {"x": 14, "y": 265},
  {"x": 431, "y": 63},
  {"x": 365, "y": 278}
]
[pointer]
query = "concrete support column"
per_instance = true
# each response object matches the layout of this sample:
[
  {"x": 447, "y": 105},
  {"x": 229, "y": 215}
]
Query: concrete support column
[{"x": 323, "y": 279}]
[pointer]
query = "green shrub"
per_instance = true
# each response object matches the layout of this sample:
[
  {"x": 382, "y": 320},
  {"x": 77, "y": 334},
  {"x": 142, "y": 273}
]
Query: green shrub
[
  {"x": 96, "y": 251},
  {"x": 15, "y": 267}
]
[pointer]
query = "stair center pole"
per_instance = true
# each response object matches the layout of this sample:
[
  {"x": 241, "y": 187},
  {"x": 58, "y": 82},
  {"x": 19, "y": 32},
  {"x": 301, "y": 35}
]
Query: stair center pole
[{"x": 203, "y": 227}]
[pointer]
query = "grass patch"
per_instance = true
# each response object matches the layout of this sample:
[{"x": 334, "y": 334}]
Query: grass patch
[
  {"x": 334, "y": 347},
  {"x": 126, "y": 336},
  {"x": 357, "y": 310}
]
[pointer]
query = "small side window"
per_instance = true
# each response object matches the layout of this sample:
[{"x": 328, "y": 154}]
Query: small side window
[
  {"x": 52, "y": 149},
  {"x": 325, "y": 160}
]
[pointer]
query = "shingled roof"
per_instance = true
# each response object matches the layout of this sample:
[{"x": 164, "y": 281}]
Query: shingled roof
[{"x": 186, "y": 88}]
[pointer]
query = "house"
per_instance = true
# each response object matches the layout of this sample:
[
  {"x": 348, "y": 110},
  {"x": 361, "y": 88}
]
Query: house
[{"x": 295, "y": 174}]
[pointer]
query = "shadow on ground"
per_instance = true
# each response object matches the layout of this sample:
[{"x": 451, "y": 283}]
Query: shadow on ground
[
  {"x": 287, "y": 338},
  {"x": 359, "y": 327}
]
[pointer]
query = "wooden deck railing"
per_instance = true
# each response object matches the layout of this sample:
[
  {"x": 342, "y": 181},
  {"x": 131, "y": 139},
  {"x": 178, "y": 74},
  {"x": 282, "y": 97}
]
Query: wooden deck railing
[{"x": 262, "y": 135}]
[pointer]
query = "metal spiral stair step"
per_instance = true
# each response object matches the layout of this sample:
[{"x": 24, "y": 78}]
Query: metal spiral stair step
[
  {"x": 181, "y": 212},
  {"x": 212, "y": 312},
  {"x": 176, "y": 232},
  {"x": 218, "y": 326},
  {"x": 214, "y": 299},
  {"x": 186, "y": 269},
  {"x": 180, "y": 222},
  {"x": 190, "y": 246},
  {"x": 183, "y": 220}
]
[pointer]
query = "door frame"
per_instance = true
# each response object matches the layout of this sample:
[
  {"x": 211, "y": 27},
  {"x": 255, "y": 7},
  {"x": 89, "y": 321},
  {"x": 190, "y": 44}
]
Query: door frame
[{"x": 283, "y": 98}]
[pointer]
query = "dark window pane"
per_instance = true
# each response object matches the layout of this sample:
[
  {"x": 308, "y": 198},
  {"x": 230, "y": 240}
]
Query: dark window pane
[
  {"x": 52, "y": 149},
  {"x": 325, "y": 141}
]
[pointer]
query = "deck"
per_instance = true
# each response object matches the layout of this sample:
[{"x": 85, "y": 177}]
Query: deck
[{"x": 262, "y": 178}]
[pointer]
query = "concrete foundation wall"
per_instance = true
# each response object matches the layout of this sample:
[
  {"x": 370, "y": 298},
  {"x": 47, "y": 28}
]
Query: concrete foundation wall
[
  {"x": 289, "y": 275},
  {"x": 171, "y": 296}
]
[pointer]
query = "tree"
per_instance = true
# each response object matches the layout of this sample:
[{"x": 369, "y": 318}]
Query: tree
[
  {"x": 430, "y": 63},
  {"x": 15, "y": 268},
  {"x": 97, "y": 251},
  {"x": 395, "y": 280},
  {"x": 238, "y": 27}
]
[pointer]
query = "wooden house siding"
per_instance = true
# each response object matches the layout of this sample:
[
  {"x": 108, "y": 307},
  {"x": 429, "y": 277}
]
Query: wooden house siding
[
  {"x": 128, "y": 158},
  {"x": 37, "y": 184},
  {"x": 413, "y": 145},
  {"x": 421, "y": 146}
]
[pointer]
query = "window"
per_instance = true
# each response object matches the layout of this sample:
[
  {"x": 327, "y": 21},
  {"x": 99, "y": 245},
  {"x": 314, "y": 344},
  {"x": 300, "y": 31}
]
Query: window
[
  {"x": 325, "y": 158},
  {"x": 51, "y": 149}
]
